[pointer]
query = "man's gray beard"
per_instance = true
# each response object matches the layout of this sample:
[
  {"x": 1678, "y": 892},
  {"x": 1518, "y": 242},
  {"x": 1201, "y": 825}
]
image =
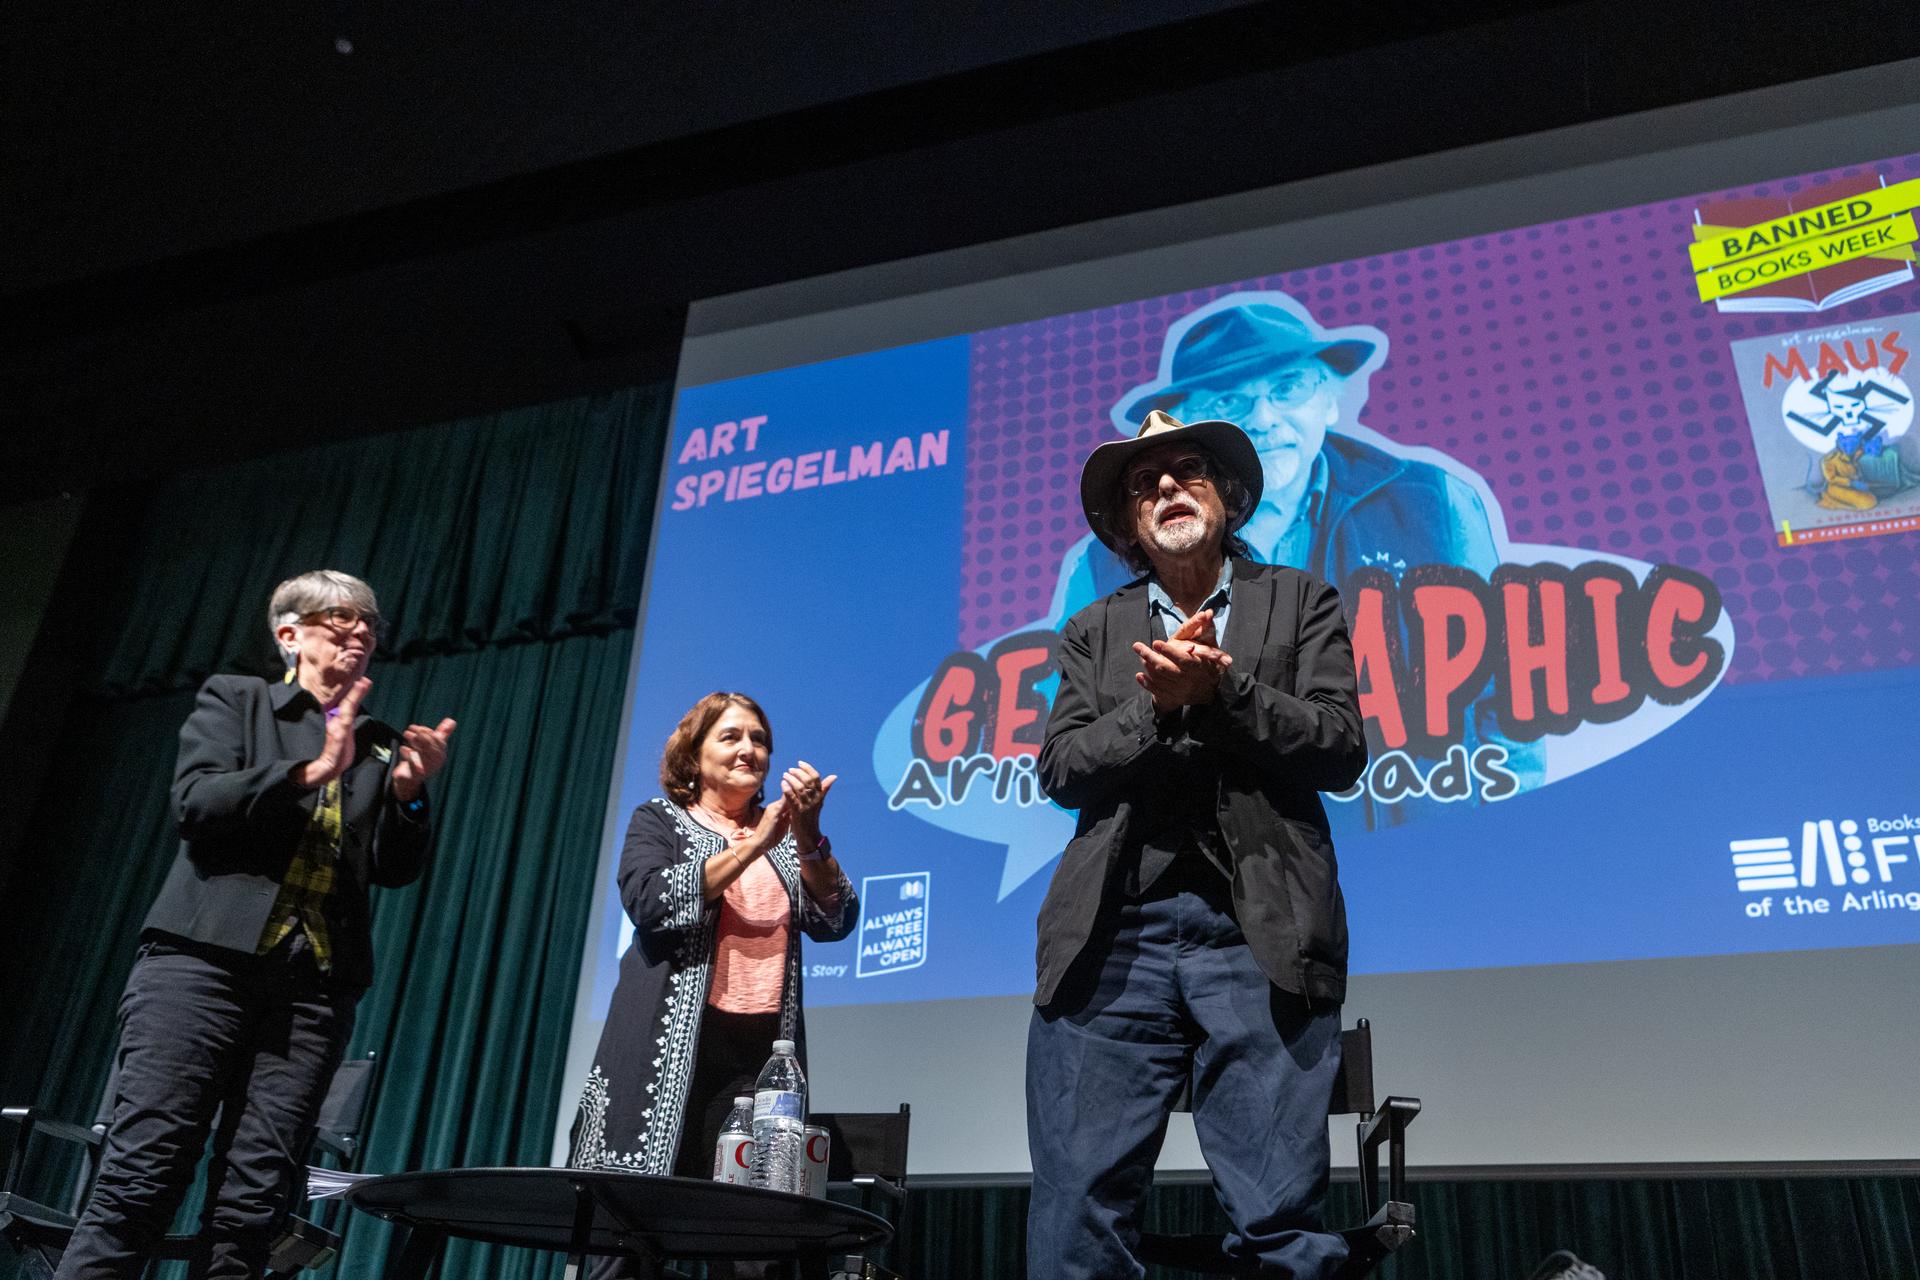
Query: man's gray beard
[{"x": 1178, "y": 539}]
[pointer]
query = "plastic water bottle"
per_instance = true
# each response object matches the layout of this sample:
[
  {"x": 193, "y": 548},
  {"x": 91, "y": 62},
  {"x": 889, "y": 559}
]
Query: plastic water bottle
[
  {"x": 732, "y": 1157},
  {"x": 780, "y": 1121}
]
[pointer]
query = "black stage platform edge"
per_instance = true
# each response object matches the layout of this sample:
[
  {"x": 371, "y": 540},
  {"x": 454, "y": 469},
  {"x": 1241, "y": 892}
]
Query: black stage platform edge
[{"x": 1512, "y": 1173}]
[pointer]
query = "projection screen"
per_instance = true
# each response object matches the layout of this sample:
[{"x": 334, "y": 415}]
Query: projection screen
[{"x": 1610, "y": 455}]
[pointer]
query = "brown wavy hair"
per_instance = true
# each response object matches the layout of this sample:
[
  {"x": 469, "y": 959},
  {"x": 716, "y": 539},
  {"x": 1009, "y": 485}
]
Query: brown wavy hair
[{"x": 680, "y": 762}]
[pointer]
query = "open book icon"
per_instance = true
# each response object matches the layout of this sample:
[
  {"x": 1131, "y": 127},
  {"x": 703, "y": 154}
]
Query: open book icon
[{"x": 1822, "y": 287}]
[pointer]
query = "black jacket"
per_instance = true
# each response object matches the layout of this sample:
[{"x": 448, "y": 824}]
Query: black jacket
[
  {"x": 241, "y": 816},
  {"x": 1285, "y": 726}
]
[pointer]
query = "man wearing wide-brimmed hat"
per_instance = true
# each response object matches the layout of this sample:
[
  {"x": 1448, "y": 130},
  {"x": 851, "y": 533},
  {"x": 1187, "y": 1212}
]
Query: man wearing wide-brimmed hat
[{"x": 1194, "y": 936}]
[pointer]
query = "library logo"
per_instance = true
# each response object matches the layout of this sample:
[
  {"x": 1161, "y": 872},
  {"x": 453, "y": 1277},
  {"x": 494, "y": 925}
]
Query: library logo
[
  {"x": 893, "y": 923},
  {"x": 1859, "y": 861},
  {"x": 1830, "y": 854}
]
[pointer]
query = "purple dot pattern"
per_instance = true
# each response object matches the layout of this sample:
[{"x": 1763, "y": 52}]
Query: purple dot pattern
[{"x": 1570, "y": 363}]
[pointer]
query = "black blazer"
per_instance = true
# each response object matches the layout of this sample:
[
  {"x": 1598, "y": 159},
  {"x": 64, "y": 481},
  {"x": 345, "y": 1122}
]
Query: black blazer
[
  {"x": 1285, "y": 726},
  {"x": 241, "y": 816}
]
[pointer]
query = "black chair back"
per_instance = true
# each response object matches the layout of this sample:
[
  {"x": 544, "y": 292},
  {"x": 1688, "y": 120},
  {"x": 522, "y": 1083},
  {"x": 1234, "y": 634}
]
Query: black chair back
[
  {"x": 343, "y": 1113},
  {"x": 866, "y": 1144},
  {"x": 1353, "y": 1087}
]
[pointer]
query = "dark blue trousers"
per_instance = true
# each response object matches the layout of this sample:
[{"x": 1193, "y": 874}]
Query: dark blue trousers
[{"x": 1170, "y": 995}]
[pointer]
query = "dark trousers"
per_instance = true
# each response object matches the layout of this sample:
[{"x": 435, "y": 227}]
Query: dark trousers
[
  {"x": 1170, "y": 995},
  {"x": 204, "y": 1029},
  {"x": 733, "y": 1048}
]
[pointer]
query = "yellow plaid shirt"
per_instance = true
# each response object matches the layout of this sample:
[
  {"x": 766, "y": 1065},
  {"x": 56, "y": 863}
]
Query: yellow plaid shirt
[{"x": 303, "y": 894}]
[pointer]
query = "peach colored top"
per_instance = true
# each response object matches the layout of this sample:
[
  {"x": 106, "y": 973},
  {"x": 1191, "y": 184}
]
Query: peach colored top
[{"x": 750, "y": 956}]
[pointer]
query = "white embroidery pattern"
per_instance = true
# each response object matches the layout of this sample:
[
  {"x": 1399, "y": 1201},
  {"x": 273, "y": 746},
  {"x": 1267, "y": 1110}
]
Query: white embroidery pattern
[
  {"x": 590, "y": 1143},
  {"x": 686, "y": 989}
]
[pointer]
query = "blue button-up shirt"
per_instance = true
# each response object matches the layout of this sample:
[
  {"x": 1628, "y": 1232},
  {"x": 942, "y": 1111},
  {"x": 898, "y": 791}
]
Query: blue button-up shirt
[{"x": 1167, "y": 615}]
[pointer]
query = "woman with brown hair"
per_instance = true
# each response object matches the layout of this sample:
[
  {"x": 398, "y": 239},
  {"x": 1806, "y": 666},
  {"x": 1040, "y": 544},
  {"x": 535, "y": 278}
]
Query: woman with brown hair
[{"x": 720, "y": 885}]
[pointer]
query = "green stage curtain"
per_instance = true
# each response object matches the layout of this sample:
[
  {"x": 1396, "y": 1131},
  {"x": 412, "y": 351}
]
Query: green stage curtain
[{"x": 525, "y": 525}]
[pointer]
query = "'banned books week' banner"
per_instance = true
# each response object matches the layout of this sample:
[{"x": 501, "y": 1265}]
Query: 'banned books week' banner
[{"x": 1622, "y": 510}]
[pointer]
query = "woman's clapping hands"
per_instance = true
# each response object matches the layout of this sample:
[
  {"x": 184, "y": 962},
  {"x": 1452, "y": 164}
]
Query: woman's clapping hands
[{"x": 804, "y": 791}]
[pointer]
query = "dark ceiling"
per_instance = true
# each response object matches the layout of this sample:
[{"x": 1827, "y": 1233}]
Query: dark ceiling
[{"x": 235, "y": 228}]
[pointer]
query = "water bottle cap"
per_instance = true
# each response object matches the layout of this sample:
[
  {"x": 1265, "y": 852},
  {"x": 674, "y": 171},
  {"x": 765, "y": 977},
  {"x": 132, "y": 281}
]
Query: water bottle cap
[
  {"x": 783, "y": 1046},
  {"x": 744, "y": 1100}
]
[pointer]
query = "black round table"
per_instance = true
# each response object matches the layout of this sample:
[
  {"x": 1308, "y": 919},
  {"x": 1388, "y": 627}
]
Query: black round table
[{"x": 625, "y": 1214}]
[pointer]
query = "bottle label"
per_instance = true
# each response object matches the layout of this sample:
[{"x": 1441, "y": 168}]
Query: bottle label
[
  {"x": 733, "y": 1162},
  {"x": 813, "y": 1181},
  {"x": 781, "y": 1104}
]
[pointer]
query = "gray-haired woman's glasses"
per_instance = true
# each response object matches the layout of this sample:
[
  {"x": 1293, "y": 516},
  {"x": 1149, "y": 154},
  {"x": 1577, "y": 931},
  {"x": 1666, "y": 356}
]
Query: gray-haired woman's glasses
[{"x": 344, "y": 617}]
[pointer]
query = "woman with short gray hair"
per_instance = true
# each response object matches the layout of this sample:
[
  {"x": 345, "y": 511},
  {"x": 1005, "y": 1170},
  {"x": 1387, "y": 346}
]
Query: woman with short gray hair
[
  {"x": 318, "y": 591},
  {"x": 290, "y": 804}
]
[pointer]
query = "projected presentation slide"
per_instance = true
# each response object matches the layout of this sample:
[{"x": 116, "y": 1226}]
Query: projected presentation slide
[{"x": 1624, "y": 511}]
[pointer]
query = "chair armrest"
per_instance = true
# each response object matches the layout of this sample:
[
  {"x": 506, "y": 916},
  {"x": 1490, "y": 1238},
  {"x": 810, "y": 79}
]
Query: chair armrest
[
  {"x": 888, "y": 1186},
  {"x": 301, "y": 1246},
  {"x": 1394, "y": 1113},
  {"x": 26, "y": 1123},
  {"x": 61, "y": 1129},
  {"x": 1387, "y": 1125}
]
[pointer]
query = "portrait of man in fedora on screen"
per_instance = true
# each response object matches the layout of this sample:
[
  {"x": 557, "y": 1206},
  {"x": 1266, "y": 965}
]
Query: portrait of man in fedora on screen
[{"x": 1336, "y": 497}]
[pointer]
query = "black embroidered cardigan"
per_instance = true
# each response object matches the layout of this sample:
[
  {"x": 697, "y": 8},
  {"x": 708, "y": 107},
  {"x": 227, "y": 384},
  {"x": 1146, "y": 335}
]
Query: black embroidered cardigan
[{"x": 636, "y": 1094}]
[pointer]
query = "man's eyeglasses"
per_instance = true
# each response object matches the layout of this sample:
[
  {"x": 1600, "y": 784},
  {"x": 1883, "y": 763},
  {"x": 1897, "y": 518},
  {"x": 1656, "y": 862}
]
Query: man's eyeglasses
[
  {"x": 1187, "y": 469},
  {"x": 1288, "y": 389},
  {"x": 344, "y": 617}
]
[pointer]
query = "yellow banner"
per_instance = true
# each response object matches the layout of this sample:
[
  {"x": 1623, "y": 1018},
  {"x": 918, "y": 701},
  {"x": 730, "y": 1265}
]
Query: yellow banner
[
  {"x": 1877, "y": 240},
  {"x": 1716, "y": 245}
]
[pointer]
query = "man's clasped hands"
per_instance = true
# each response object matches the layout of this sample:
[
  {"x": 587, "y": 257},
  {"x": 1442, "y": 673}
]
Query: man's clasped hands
[{"x": 1183, "y": 670}]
